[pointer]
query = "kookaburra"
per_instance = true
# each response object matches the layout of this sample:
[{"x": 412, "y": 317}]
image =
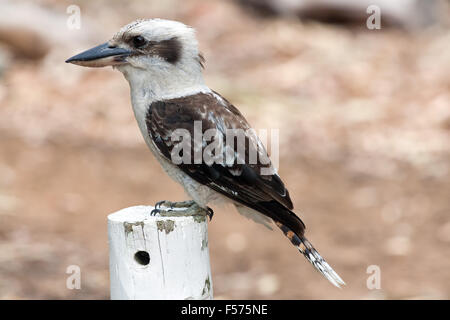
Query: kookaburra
[{"x": 161, "y": 61}]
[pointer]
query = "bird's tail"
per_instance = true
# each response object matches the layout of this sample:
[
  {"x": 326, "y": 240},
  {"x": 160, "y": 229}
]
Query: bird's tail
[{"x": 311, "y": 254}]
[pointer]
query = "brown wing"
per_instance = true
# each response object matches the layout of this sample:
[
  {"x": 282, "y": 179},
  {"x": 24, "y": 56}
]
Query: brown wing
[{"x": 247, "y": 183}]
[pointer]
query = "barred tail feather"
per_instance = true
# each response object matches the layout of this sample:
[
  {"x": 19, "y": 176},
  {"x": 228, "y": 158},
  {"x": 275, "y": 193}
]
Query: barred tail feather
[
  {"x": 311, "y": 254},
  {"x": 319, "y": 263}
]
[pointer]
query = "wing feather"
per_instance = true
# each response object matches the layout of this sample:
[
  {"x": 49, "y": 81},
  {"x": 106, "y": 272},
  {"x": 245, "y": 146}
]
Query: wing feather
[{"x": 244, "y": 183}]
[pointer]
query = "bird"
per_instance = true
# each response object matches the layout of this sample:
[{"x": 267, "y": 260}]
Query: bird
[{"x": 162, "y": 63}]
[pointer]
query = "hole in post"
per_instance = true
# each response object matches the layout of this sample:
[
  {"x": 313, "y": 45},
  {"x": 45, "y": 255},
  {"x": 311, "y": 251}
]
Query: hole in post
[{"x": 142, "y": 257}]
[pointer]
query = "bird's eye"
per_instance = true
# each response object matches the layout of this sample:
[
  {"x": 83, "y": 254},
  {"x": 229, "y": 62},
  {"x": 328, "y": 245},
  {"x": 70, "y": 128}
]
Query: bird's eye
[{"x": 139, "y": 41}]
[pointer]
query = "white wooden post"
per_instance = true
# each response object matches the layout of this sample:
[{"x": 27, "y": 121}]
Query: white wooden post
[{"x": 159, "y": 257}]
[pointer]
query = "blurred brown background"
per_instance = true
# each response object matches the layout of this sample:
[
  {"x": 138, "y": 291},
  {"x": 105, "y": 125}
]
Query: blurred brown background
[{"x": 364, "y": 119}]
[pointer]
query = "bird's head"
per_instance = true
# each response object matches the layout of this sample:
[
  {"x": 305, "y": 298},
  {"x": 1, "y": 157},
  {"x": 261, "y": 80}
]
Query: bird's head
[{"x": 159, "y": 49}]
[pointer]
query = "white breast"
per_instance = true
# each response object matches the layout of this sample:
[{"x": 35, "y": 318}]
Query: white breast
[{"x": 201, "y": 194}]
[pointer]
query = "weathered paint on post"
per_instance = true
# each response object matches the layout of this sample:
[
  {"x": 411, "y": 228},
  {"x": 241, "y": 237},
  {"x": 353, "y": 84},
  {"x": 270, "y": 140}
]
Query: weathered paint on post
[{"x": 159, "y": 257}]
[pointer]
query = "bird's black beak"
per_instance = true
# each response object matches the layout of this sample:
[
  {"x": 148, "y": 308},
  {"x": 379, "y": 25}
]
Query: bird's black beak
[{"x": 101, "y": 56}]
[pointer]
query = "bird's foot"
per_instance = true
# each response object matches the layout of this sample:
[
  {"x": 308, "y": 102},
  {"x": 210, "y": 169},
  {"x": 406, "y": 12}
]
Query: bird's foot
[
  {"x": 157, "y": 208},
  {"x": 160, "y": 206},
  {"x": 168, "y": 208},
  {"x": 156, "y": 211},
  {"x": 172, "y": 205}
]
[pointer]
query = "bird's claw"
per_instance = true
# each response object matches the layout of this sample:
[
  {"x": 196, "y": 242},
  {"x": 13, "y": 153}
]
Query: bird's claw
[
  {"x": 210, "y": 213},
  {"x": 155, "y": 211},
  {"x": 160, "y": 203}
]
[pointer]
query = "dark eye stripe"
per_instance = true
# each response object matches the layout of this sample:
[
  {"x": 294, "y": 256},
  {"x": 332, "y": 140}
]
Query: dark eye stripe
[{"x": 169, "y": 50}]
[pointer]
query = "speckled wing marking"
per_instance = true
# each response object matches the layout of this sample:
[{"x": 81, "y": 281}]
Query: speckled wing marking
[{"x": 242, "y": 183}]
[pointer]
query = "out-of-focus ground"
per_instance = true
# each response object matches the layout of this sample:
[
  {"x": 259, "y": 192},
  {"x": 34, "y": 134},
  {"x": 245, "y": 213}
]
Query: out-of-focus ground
[{"x": 364, "y": 119}]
